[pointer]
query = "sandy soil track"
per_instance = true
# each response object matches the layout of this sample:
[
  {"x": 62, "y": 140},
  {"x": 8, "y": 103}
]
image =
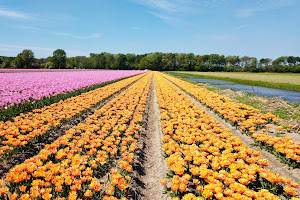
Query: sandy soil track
[{"x": 151, "y": 165}]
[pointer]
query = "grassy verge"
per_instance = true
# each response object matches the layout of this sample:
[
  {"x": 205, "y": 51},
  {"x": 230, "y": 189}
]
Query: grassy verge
[
  {"x": 286, "y": 111},
  {"x": 283, "y": 86}
]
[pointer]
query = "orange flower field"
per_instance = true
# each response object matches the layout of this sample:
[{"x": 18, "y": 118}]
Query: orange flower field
[
  {"x": 26, "y": 128},
  {"x": 248, "y": 119},
  {"x": 97, "y": 158}
]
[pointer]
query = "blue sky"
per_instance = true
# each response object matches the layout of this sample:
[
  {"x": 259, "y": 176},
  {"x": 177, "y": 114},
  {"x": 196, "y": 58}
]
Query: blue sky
[{"x": 260, "y": 28}]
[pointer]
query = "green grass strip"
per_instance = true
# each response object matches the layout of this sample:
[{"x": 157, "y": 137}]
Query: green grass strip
[{"x": 282, "y": 86}]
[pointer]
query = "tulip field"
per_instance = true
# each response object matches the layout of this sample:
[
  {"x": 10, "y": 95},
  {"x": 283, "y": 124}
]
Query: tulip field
[
  {"x": 105, "y": 146},
  {"x": 17, "y": 88}
]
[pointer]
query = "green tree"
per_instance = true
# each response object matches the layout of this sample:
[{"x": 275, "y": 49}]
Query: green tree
[
  {"x": 59, "y": 59},
  {"x": 279, "y": 63},
  {"x": 291, "y": 60},
  {"x": 24, "y": 59},
  {"x": 232, "y": 63},
  {"x": 18, "y": 61},
  {"x": 249, "y": 63},
  {"x": 95, "y": 61},
  {"x": 182, "y": 61},
  {"x": 71, "y": 62},
  {"x": 130, "y": 60},
  {"x": 265, "y": 64},
  {"x": 109, "y": 60},
  {"x": 191, "y": 62},
  {"x": 168, "y": 62},
  {"x": 27, "y": 58},
  {"x": 86, "y": 63},
  {"x": 49, "y": 65},
  {"x": 120, "y": 61},
  {"x": 145, "y": 63},
  {"x": 156, "y": 60},
  {"x": 6, "y": 63}
]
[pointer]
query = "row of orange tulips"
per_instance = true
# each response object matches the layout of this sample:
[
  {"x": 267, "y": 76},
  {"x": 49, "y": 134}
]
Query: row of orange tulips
[
  {"x": 248, "y": 120},
  {"x": 206, "y": 160},
  {"x": 72, "y": 167},
  {"x": 33, "y": 126},
  {"x": 125, "y": 164}
]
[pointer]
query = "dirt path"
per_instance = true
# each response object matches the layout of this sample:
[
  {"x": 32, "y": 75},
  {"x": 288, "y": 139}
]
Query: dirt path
[
  {"x": 153, "y": 164},
  {"x": 274, "y": 163}
]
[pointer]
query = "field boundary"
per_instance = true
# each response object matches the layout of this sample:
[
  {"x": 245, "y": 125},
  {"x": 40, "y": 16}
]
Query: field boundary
[{"x": 282, "y": 86}]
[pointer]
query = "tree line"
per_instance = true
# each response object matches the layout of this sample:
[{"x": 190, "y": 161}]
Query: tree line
[{"x": 154, "y": 61}]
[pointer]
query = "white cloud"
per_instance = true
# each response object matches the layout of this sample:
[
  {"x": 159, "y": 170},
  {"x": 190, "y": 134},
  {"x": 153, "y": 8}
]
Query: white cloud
[
  {"x": 13, "y": 50},
  {"x": 13, "y": 14},
  {"x": 91, "y": 36}
]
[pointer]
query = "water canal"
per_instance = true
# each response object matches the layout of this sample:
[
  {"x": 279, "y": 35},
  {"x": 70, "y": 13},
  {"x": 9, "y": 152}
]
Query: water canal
[{"x": 286, "y": 95}]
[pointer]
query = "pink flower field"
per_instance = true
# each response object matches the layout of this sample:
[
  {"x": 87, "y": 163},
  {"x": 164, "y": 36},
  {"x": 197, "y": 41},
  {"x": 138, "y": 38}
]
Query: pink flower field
[{"x": 18, "y": 87}]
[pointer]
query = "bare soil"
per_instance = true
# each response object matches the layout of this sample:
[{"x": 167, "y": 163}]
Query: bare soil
[
  {"x": 150, "y": 164},
  {"x": 274, "y": 163}
]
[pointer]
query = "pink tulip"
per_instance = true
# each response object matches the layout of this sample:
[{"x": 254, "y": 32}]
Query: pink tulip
[{"x": 18, "y": 87}]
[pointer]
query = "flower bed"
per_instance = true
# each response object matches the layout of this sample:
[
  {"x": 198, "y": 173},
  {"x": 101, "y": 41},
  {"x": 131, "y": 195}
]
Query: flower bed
[
  {"x": 247, "y": 119},
  {"x": 17, "y": 88},
  {"x": 33, "y": 126},
  {"x": 73, "y": 166},
  {"x": 206, "y": 160}
]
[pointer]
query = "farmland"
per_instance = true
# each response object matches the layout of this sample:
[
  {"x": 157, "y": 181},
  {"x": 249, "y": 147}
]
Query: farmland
[
  {"x": 146, "y": 135},
  {"x": 286, "y": 81}
]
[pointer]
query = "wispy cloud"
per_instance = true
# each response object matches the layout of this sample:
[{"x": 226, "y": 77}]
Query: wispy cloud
[
  {"x": 181, "y": 6},
  {"x": 13, "y": 14},
  {"x": 262, "y": 5},
  {"x": 170, "y": 11},
  {"x": 40, "y": 51},
  {"x": 163, "y": 17},
  {"x": 91, "y": 36},
  {"x": 163, "y": 5},
  {"x": 29, "y": 28}
]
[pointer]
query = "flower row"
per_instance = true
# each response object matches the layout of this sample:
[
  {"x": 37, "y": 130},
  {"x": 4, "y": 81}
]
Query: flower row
[
  {"x": 30, "y": 127},
  {"x": 76, "y": 164},
  {"x": 16, "y": 88},
  {"x": 247, "y": 119},
  {"x": 206, "y": 160}
]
